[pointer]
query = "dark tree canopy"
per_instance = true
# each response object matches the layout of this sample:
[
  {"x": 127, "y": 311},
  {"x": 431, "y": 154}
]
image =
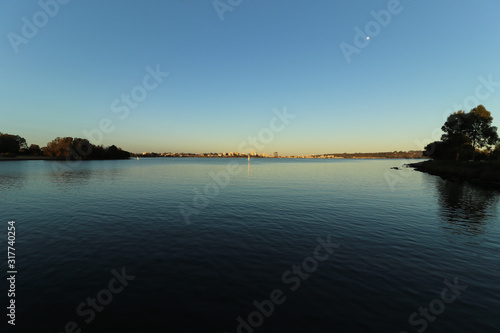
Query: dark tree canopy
[
  {"x": 445, "y": 150},
  {"x": 471, "y": 129},
  {"x": 59, "y": 147},
  {"x": 82, "y": 149},
  {"x": 480, "y": 131},
  {"x": 113, "y": 152},
  {"x": 495, "y": 154},
  {"x": 11, "y": 143},
  {"x": 34, "y": 150}
]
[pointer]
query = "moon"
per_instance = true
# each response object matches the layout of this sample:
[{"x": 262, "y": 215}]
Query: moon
[{"x": 367, "y": 37}]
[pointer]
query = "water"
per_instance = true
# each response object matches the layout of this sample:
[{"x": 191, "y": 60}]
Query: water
[{"x": 400, "y": 235}]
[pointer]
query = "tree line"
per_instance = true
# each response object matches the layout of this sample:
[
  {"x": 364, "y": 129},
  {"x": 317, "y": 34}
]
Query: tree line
[
  {"x": 62, "y": 148},
  {"x": 467, "y": 136}
]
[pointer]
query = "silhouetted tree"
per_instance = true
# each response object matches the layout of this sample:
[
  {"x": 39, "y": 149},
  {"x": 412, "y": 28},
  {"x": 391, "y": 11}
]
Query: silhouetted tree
[
  {"x": 495, "y": 154},
  {"x": 11, "y": 143},
  {"x": 98, "y": 153},
  {"x": 82, "y": 149},
  {"x": 445, "y": 150},
  {"x": 114, "y": 152},
  {"x": 454, "y": 132},
  {"x": 480, "y": 131},
  {"x": 34, "y": 150},
  {"x": 472, "y": 129}
]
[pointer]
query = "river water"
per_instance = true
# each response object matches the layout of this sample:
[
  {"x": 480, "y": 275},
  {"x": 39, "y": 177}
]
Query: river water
[{"x": 220, "y": 245}]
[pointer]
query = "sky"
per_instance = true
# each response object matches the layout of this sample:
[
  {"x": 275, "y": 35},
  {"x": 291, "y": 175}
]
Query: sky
[{"x": 298, "y": 77}]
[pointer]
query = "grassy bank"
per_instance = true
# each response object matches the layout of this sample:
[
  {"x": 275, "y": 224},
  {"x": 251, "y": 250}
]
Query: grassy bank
[{"x": 483, "y": 173}]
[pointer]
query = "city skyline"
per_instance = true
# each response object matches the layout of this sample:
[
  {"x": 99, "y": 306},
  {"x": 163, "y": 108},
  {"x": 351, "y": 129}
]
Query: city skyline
[{"x": 203, "y": 77}]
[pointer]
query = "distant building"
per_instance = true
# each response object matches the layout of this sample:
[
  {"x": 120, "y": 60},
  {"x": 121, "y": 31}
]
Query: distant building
[{"x": 275, "y": 154}]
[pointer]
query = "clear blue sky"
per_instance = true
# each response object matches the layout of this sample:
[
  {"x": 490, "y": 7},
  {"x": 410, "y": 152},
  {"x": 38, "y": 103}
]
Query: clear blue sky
[{"x": 226, "y": 77}]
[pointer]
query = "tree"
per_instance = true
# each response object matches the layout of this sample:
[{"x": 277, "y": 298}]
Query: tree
[
  {"x": 446, "y": 150},
  {"x": 114, "y": 152},
  {"x": 495, "y": 154},
  {"x": 11, "y": 143},
  {"x": 469, "y": 129},
  {"x": 479, "y": 130},
  {"x": 34, "y": 150},
  {"x": 82, "y": 149},
  {"x": 454, "y": 134},
  {"x": 98, "y": 153},
  {"x": 59, "y": 147},
  {"x": 69, "y": 148}
]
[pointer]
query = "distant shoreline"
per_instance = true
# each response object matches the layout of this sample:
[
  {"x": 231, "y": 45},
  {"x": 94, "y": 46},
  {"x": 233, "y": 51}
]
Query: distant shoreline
[
  {"x": 412, "y": 154},
  {"x": 49, "y": 158}
]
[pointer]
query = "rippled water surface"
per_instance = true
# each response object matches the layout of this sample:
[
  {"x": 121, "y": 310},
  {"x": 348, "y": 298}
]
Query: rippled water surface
[{"x": 210, "y": 241}]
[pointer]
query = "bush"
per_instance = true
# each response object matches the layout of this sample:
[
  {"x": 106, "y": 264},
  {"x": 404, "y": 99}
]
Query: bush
[
  {"x": 495, "y": 154},
  {"x": 34, "y": 150},
  {"x": 440, "y": 150},
  {"x": 82, "y": 149},
  {"x": 8, "y": 155}
]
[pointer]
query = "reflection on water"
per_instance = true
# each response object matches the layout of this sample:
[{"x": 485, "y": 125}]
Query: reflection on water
[
  {"x": 12, "y": 176},
  {"x": 465, "y": 209},
  {"x": 68, "y": 174},
  {"x": 101, "y": 215},
  {"x": 8, "y": 182},
  {"x": 64, "y": 174}
]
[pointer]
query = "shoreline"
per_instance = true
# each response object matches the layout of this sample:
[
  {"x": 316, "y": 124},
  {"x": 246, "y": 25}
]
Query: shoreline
[
  {"x": 27, "y": 158},
  {"x": 481, "y": 173},
  {"x": 48, "y": 158}
]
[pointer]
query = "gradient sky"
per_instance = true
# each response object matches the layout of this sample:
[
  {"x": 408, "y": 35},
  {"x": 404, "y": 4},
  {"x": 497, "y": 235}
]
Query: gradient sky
[{"x": 226, "y": 77}]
